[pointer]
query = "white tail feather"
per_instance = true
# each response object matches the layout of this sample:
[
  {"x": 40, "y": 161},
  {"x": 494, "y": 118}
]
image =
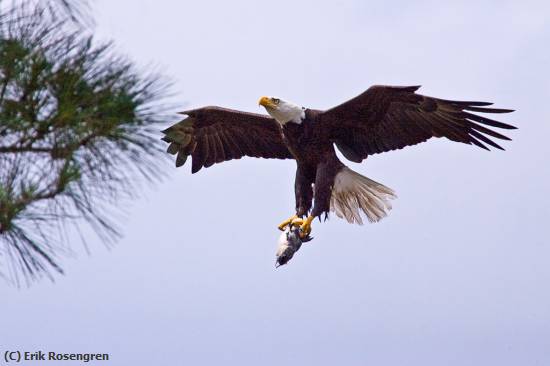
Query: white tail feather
[{"x": 353, "y": 193}]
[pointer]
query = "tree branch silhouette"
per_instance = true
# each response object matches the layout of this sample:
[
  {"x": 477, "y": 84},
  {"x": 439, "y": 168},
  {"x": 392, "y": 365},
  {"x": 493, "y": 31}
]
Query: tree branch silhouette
[{"x": 78, "y": 133}]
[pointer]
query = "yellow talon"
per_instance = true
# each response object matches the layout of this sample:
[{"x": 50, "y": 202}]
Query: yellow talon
[
  {"x": 305, "y": 225},
  {"x": 287, "y": 222}
]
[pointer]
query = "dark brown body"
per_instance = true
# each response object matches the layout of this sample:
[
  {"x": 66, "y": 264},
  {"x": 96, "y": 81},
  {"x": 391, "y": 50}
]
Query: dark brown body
[{"x": 317, "y": 164}]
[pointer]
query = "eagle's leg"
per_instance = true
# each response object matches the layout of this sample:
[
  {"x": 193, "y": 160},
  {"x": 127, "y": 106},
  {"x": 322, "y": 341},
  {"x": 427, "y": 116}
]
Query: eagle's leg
[
  {"x": 303, "y": 190},
  {"x": 324, "y": 180}
]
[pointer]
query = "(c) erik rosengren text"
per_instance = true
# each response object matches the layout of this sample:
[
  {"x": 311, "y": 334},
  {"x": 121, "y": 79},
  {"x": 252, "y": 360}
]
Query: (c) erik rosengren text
[{"x": 19, "y": 356}]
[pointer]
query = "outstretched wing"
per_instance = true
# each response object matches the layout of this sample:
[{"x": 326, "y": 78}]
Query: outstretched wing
[
  {"x": 386, "y": 118},
  {"x": 212, "y": 134}
]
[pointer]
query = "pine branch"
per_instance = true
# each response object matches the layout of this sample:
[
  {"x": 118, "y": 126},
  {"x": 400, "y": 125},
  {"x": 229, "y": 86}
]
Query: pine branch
[{"x": 78, "y": 132}]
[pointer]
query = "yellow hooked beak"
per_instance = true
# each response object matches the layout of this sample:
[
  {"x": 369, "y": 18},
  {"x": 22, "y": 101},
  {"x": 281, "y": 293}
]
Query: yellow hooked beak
[{"x": 267, "y": 102}]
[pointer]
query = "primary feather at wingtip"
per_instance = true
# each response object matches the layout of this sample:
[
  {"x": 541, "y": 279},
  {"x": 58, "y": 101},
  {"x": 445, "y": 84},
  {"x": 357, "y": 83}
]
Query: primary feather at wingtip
[
  {"x": 485, "y": 139},
  {"x": 464, "y": 103},
  {"x": 487, "y": 131},
  {"x": 181, "y": 159},
  {"x": 488, "y": 121},
  {"x": 173, "y": 149},
  {"x": 489, "y": 110}
]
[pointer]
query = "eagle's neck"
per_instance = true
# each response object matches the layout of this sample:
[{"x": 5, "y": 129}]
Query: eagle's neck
[{"x": 288, "y": 112}]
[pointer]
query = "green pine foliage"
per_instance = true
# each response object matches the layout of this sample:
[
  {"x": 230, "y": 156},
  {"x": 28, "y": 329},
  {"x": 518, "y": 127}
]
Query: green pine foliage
[{"x": 78, "y": 132}]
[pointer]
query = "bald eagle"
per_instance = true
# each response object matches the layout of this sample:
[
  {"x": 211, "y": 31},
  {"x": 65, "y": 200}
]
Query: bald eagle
[{"x": 383, "y": 118}]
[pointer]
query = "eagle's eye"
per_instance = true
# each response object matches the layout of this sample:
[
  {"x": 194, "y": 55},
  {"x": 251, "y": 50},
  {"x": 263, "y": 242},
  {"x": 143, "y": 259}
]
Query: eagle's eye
[{"x": 275, "y": 100}]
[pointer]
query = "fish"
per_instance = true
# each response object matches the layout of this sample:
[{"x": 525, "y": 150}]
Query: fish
[{"x": 288, "y": 244}]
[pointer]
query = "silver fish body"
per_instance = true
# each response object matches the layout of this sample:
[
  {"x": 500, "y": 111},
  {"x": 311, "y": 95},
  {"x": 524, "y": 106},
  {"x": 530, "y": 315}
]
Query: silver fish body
[{"x": 288, "y": 244}]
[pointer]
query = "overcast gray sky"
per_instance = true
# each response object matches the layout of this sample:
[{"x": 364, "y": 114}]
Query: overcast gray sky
[{"x": 458, "y": 274}]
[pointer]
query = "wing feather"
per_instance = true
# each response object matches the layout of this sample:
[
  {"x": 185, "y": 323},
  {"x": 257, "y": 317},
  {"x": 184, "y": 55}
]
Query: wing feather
[
  {"x": 211, "y": 156},
  {"x": 212, "y": 135},
  {"x": 386, "y": 118},
  {"x": 220, "y": 152},
  {"x": 233, "y": 148}
]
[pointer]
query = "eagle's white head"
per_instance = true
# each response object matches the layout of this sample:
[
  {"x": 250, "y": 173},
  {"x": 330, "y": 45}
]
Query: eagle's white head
[{"x": 282, "y": 110}]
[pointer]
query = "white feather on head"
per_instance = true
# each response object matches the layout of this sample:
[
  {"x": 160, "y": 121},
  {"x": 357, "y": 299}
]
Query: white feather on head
[{"x": 282, "y": 110}]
